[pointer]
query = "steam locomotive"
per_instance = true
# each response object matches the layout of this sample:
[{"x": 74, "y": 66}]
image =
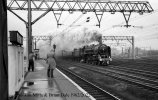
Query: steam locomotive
[{"x": 99, "y": 54}]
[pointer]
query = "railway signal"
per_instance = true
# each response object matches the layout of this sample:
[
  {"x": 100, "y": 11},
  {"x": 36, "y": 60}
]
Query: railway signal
[{"x": 54, "y": 47}]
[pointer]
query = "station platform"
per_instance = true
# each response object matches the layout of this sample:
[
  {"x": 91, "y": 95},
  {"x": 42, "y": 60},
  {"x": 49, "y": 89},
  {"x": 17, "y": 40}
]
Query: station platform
[{"x": 37, "y": 86}]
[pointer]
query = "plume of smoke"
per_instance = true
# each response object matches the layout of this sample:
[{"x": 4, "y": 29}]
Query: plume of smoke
[{"x": 68, "y": 40}]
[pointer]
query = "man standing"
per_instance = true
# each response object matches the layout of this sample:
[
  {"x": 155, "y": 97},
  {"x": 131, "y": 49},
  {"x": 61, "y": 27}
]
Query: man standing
[
  {"x": 31, "y": 61},
  {"x": 51, "y": 64}
]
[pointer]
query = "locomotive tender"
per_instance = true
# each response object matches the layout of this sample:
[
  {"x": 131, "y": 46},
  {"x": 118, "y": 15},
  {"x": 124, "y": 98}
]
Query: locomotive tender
[{"x": 99, "y": 54}]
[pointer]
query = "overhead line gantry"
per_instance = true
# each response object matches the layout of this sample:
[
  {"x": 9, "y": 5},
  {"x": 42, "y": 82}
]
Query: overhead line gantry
[
  {"x": 96, "y": 6},
  {"x": 99, "y": 7}
]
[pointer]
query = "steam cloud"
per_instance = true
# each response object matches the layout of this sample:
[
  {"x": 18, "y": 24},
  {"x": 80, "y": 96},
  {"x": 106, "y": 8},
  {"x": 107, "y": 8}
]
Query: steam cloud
[{"x": 69, "y": 40}]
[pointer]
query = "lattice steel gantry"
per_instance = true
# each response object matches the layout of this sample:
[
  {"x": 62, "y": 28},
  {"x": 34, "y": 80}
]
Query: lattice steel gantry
[
  {"x": 96, "y": 6},
  {"x": 37, "y": 38},
  {"x": 84, "y": 6},
  {"x": 121, "y": 38}
]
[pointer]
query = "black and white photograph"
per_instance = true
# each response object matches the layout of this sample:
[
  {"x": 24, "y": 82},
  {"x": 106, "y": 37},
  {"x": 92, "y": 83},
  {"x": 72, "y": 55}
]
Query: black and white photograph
[{"x": 78, "y": 50}]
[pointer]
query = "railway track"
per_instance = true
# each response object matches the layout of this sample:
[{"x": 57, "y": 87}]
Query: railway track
[
  {"x": 137, "y": 61},
  {"x": 133, "y": 79},
  {"x": 143, "y": 65},
  {"x": 140, "y": 63},
  {"x": 148, "y": 74},
  {"x": 93, "y": 90}
]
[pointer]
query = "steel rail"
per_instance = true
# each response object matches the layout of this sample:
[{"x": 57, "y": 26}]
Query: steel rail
[
  {"x": 95, "y": 91},
  {"x": 137, "y": 71},
  {"x": 121, "y": 76}
]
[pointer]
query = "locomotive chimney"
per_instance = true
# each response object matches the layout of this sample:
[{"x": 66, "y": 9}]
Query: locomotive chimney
[{"x": 100, "y": 40}]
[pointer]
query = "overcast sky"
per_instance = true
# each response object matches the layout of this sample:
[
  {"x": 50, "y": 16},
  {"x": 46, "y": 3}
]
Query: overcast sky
[{"x": 144, "y": 37}]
